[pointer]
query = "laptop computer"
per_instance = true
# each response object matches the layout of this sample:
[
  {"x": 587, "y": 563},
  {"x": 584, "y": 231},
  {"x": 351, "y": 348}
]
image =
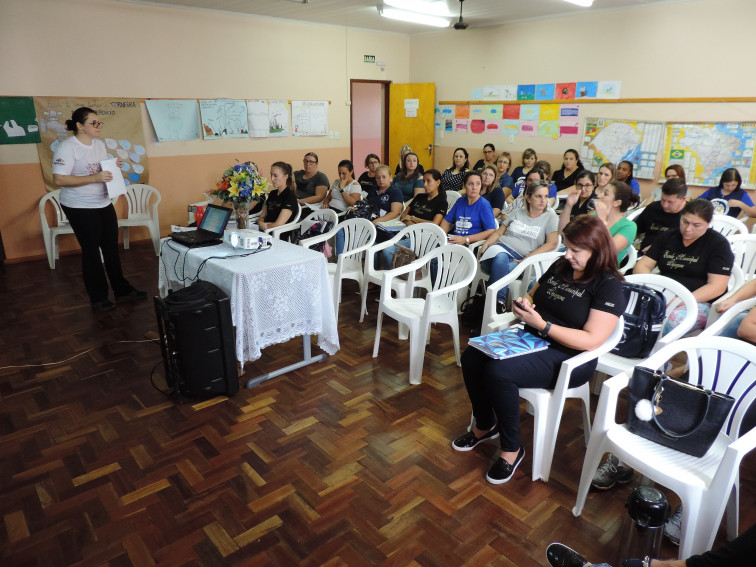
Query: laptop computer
[{"x": 210, "y": 230}]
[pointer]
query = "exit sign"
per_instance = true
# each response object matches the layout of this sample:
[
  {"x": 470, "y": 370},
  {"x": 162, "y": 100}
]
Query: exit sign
[{"x": 369, "y": 58}]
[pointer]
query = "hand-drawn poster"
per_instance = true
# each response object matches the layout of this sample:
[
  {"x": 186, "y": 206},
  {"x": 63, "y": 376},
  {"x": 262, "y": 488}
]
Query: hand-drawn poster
[
  {"x": 309, "y": 117},
  {"x": 257, "y": 118},
  {"x": 278, "y": 118},
  {"x": 174, "y": 120},
  {"x": 224, "y": 118},
  {"x": 121, "y": 131}
]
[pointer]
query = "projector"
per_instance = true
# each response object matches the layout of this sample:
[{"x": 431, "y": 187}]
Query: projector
[{"x": 247, "y": 239}]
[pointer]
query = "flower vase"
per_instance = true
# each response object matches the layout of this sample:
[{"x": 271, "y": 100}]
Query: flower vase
[{"x": 241, "y": 211}]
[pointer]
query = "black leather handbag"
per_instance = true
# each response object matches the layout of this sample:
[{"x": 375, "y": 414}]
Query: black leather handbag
[{"x": 676, "y": 414}]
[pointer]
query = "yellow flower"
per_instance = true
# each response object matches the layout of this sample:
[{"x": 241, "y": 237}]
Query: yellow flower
[{"x": 233, "y": 189}]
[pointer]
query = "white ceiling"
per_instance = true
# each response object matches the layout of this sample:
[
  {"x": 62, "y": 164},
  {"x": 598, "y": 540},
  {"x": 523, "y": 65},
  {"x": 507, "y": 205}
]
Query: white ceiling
[{"x": 363, "y": 13}]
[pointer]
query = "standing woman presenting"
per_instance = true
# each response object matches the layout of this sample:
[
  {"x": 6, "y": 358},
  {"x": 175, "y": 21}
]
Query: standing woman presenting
[{"x": 84, "y": 199}]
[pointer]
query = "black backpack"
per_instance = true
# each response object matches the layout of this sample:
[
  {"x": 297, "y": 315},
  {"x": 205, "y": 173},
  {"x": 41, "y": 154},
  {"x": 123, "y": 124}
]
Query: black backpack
[{"x": 644, "y": 317}]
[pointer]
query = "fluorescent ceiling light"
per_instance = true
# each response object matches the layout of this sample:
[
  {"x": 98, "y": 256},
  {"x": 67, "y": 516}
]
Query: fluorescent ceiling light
[
  {"x": 413, "y": 17},
  {"x": 428, "y": 7},
  {"x": 582, "y": 3}
]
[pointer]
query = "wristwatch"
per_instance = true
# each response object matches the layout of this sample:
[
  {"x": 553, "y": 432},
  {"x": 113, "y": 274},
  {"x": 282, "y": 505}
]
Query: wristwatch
[
  {"x": 467, "y": 240},
  {"x": 545, "y": 332}
]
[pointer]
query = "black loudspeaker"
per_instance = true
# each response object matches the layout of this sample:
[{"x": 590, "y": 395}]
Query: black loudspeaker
[{"x": 197, "y": 341}]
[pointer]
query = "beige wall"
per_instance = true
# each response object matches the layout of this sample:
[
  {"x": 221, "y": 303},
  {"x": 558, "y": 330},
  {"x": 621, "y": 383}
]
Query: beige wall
[
  {"x": 107, "y": 48},
  {"x": 682, "y": 49}
]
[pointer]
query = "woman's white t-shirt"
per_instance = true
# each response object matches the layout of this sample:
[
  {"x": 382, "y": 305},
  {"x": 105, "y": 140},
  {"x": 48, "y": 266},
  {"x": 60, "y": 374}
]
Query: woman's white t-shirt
[
  {"x": 74, "y": 158},
  {"x": 337, "y": 199}
]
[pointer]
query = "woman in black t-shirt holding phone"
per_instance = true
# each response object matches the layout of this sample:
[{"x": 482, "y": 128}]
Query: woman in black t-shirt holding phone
[{"x": 575, "y": 306}]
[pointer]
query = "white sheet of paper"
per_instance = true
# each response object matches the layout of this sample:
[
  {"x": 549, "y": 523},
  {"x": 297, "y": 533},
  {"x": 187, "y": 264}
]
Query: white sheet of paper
[{"x": 117, "y": 186}]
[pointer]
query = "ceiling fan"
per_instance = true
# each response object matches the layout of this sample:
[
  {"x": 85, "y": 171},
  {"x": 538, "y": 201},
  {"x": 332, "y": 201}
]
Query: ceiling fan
[{"x": 461, "y": 24}]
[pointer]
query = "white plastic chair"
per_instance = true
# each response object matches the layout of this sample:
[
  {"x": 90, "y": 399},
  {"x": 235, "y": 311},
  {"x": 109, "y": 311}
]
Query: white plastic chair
[
  {"x": 676, "y": 294},
  {"x": 518, "y": 280},
  {"x": 451, "y": 198},
  {"x": 456, "y": 267},
  {"x": 423, "y": 238},
  {"x": 277, "y": 231},
  {"x": 635, "y": 213},
  {"x": 359, "y": 235},
  {"x": 630, "y": 260},
  {"x": 727, "y": 225},
  {"x": 142, "y": 201},
  {"x": 50, "y": 233},
  {"x": 717, "y": 322},
  {"x": 744, "y": 248},
  {"x": 707, "y": 484}
]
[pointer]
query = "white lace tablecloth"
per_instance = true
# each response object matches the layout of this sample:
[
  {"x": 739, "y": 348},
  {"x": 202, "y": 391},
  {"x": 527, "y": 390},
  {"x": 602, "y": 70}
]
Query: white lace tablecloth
[{"x": 275, "y": 294}]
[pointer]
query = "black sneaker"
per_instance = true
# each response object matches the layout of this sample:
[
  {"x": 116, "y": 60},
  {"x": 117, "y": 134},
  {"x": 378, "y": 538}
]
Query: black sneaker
[
  {"x": 104, "y": 305},
  {"x": 559, "y": 555},
  {"x": 468, "y": 441},
  {"x": 133, "y": 295},
  {"x": 502, "y": 471},
  {"x": 610, "y": 473}
]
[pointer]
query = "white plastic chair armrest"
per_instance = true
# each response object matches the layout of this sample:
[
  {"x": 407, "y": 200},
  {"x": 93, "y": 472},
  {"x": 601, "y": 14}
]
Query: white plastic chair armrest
[
  {"x": 389, "y": 275},
  {"x": 607, "y": 404},
  {"x": 716, "y": 325},
  {"x": 318, "y": 238}
]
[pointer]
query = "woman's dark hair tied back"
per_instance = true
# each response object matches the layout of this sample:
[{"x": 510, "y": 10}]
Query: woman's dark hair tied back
[
  {"x": 79, "y": 116},
  {"x": 588, "y": 232},
  {"x": 287, "y": 171},
  {"x": 434, "y": 173}
]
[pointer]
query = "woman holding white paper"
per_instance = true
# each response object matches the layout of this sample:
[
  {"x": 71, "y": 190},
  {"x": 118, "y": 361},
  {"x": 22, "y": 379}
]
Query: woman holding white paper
[
  {"x": 84, "y": 198},
  {"x": 575, "y": 307}
]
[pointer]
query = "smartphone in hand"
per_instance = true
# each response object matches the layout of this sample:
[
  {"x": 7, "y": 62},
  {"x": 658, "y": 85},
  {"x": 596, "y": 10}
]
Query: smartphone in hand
[{"x": 519, "y": 304}]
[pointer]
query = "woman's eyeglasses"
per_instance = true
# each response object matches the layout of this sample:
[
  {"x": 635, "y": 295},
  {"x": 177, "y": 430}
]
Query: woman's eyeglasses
[
  {"x": 95, "y": 123},
  {"x": 309, "y": 161}
]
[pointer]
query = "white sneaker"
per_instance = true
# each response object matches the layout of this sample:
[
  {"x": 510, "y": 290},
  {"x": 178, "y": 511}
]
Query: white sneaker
[{"x": 673, "y": 526}]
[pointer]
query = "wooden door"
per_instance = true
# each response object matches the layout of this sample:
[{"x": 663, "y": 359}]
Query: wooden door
[{"x": 411, "y": 113}]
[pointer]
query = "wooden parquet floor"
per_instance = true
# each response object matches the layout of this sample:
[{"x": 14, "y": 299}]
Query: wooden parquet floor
[{"x": 340, "y": 463}]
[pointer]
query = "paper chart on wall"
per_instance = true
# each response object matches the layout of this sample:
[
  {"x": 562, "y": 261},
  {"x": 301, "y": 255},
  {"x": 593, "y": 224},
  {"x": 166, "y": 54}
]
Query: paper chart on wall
[
  {"x": 705, "y": 151},
  {"x": 224, "y": 118},
  {"x": 615, "y": 140},
  {"x": 174, "y": 120},
  {"x": 278, "y": 118},
  {"x": 309, "y": 117},
  {"x": 257, "y": 118},
  {"x": 18, "y": 120}
]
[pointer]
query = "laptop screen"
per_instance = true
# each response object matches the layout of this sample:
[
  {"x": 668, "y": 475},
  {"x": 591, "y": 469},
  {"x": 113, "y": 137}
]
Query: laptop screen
[{"x": 215, "y": 219}]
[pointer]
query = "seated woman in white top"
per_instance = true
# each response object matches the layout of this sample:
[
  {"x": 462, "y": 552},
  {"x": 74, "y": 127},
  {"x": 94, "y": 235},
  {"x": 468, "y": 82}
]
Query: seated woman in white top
[
  {"x": 345, "y": 191},
  {"x": 527, "y": 231}
]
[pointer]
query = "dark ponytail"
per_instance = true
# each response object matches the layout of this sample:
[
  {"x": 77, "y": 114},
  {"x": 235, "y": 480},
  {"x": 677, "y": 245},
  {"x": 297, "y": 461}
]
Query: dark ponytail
[{"x": 79, "y": 116}]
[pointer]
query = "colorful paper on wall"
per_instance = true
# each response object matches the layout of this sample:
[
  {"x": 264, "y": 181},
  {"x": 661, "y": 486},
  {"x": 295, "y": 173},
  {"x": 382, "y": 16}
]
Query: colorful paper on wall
[
  {"x": 278, "y": 118},
  {"x": 569, "y": 120},
  {"x": 491, "y": 92},
  {"x": 493, "y": 112},
  {"x": 548, "y": 129},
  {"x": 477, "y": 126},
  {"x": 510, "y": 112},
  {"x": 174, "y": 120},
  {"x": 477, "y": 112},
  {"x": 545, "y": 92},
  {"x": 609, "y": 89},
  {"x": 525, "y": 92},
  {"x": 444, "y": 117},
  {"x": 309, "y": 117},
  {"x": 476, "y": 94},
  {"x": 530, "y": 111},
  {"x": 510, "y": 127},
  {"x": 224, "y": 118},
  {"x": 461, "y": 125},
  {"x": 565, "y": 91},
  {"x": 528, "y": 127},
  {"x": 586, "y": 89},
  {"x": 19, "y": 120},
  {"x": 122, "y": 132},
  {"x": 508, "y": 92},
  {"x": 549, "y": 112},
  {"x": 493, "y": 126},
  {"x": 462, "y": 111}
]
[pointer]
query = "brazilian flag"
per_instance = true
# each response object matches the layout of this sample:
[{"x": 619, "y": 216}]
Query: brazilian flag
[{"x": 676, "y": 154}]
